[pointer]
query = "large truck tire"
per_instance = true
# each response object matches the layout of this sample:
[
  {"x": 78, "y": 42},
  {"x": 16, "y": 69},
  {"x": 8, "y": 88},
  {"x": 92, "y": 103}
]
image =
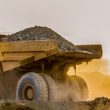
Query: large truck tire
[
  {"x": 84, "y": 92},
  {"x": 84, "y": 87},
  {"x": 74, "y": 89},
  {"x": 32, "y": 86},
  {"x": 68, "y": 90},
  {"x": 52, "y": 88}
]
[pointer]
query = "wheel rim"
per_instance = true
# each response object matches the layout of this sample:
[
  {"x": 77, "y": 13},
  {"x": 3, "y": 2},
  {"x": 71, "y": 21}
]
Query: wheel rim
[{"x": 28, "y": 93}]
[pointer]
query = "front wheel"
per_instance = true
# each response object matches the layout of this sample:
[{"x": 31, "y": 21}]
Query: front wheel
[{"x": 32, "y": 86}]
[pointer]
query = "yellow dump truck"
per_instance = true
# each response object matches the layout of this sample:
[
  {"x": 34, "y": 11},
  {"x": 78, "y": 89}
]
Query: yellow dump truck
[{"x": 37, "y": 70}]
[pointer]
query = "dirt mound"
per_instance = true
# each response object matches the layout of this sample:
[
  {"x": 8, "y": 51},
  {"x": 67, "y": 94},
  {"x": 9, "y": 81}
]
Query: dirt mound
[
  {"x": 101, "y": 103},
  {"x": 97, "y": 104},
  {"x": 13, "y": 105},
  {"x": 41, "y": 33}
]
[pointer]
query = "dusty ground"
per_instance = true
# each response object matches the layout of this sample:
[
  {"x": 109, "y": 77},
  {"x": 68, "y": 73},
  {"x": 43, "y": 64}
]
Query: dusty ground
[
  {"x": 13, "y": 105},
  {"x": 97, "y": 104}
]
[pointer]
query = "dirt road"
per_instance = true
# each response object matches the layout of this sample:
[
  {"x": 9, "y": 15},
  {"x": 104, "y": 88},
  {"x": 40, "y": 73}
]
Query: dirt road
[{"x": 97, "y": 104}]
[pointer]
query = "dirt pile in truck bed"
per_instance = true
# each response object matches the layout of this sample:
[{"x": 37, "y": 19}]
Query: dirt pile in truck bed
[
  {"x": 97, "y": 104},
  {"x": 41, "y": 33}
]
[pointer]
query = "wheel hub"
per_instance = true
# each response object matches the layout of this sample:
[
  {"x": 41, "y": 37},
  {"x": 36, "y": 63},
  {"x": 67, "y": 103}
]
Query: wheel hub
[{"x": 28, "y": 93}]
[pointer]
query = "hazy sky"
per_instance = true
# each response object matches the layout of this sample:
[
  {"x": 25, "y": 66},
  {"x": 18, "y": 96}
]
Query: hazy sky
[{"x": 80, "y": 21}]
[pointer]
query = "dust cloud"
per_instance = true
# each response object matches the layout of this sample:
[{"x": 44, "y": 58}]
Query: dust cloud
[
  {"x": 97, "y": 76},
  {"x": 68, "y": 91}
]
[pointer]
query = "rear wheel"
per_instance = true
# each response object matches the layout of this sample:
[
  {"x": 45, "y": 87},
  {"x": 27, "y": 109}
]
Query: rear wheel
[
  {"x": 83, "y": 87},
  {"x": 32, "y": 86},
  {"x": 52, "y": 88},
  {"x": 80, "y": 87}
]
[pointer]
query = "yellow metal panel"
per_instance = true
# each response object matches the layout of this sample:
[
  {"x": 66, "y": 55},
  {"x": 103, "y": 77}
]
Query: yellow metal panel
[
  {"x": 22, "y": 56},
  {"x": 17, "y": 56},
  {"x": 13, "y": 60},
  {"x": 24, "y": 46},
  {"x": 9, "y": 65},
  {"x": 18, "y": 53}
]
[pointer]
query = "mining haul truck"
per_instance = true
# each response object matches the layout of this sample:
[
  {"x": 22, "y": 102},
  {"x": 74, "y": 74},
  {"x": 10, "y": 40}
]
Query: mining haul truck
[{"x": 34, "y": 65}]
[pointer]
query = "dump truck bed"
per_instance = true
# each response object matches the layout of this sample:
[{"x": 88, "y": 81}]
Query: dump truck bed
[{"x": 18, "y": 53}]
